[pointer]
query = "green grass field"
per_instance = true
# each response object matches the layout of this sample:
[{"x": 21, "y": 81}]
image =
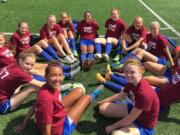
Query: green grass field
[{"x": 35, "y": 13}]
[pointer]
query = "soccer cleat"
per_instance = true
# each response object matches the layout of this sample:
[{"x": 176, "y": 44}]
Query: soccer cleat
[
  {"x": 67, "y": 60},
  {"x": 108, "y": 72},
  {"x": 75, "y": 85},
  {"x": 75, "y": 71},
  {"x": 72, "y": 57},
  {"x": 75, "y": 65},
  {"x": 100, "y": 78},
  {"x": 75, "y": 53},
  {"x": 91, "y": 63},
  {"x": 116, "y": 65},
  {"x": 116, "y": 58},
  {"x": 85, "y": 64},
  {"x": 105, "y": 57},
  {"x": 66, "y": 87},
  {"x": 97, "y": 57}
]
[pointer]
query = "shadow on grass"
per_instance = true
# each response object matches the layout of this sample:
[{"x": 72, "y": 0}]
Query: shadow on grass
[
  {"x": 26, "y": 105},
  {"x": 99, "y": 126},
  {"x": 163, "y": 116},
  {"x": 30, "y": 130}
]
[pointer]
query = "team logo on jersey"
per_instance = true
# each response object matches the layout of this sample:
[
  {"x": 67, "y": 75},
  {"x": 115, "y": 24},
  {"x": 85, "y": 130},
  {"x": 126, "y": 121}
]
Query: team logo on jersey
[
  {"x": 132, "y": 97},
  {"x": 25, "y": 40},
  {"x": 87, "y": 29},
  {"x": 52, "y": 34},
  {"x": 175, "y": 78},
  {"x": 3, "y": 73},
  {"x": 152, "y": 44},
  {"x": 7, "y": 53},
  {"x": 135, "y": 36},
  {"x": 112, "y": 27}
]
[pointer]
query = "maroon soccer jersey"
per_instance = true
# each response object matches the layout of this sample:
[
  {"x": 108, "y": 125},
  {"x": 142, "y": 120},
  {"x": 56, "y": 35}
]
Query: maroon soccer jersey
[
  {"x": 88, "y": 30},
  {"x": 66, "y": 26},
  {"x": 136, "y": 34},
  {"x": 11, "y": 77},
  {"x": 21, "y": 42},
  {"x": 156, "y": 45},
  {"x": 50, "y": 110},
  {"x": 170, "y": 92},
  {"x": 144, "y": 98},
  {"x": 6, "y": 57},
  {"x": 114, "y": 28},
  {"x": 45, "y": 33}
]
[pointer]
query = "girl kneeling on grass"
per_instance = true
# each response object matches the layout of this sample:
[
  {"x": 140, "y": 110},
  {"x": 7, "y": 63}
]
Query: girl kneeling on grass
[
  {"x": 138, "y": 117},
  {"x": 62, "y": 114}
]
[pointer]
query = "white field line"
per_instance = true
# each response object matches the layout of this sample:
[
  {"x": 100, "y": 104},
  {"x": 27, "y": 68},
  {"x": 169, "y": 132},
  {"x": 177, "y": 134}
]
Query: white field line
[
  {"x": 160, "y": 18},
  {"x": 165, "y": 28}
]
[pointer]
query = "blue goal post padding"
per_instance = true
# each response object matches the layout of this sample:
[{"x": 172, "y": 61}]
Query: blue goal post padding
[
  {"x": 75, "y": 23},
  {"x": 172, "y": 44}
]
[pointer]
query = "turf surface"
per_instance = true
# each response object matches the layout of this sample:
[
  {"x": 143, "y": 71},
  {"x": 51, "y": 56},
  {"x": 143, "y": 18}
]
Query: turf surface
[{"x": 35, "y": 13}]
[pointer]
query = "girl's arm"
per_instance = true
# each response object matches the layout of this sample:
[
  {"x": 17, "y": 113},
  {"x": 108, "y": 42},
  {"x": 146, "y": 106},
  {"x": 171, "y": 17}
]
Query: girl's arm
[
  {"x": 46, "y": 129},
  {"x": 166, "y": 50},
  {"x": 115, "y": 97},
  {"x": 135, "y": 45},
  {"x": 135, "y": 113},
  {"x": 36, "y": 83}
]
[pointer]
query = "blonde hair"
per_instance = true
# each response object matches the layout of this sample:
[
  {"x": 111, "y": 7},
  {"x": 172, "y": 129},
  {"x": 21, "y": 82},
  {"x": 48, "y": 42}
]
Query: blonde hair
[
  {"x": 24, "y": 55},
  {"x": 69, "y": 20},
  {"x": 8, "y": 43},
  {"x": 155, "y": 23},
  {"x": 138, "y": 17},
  {"x": 135, "y": 63},
  {"x": 52, "y": 15},
  {"x": 115, "y": 9}
]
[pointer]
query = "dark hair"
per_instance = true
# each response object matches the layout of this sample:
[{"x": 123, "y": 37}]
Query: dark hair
[{"x": 52, "y": 64}]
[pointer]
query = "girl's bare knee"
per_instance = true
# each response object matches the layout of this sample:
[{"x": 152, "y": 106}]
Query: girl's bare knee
[{"x": 103, "y": 108}]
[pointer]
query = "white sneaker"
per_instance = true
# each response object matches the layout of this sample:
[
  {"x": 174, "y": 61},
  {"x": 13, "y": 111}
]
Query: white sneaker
[
  {"x": 105, "y": 57},
  {"x": 75, "y": 71},
  {"x": 72, "y": 57},
  {"x": 97, "y": 56},
  {"x": 67, "y": 60}
]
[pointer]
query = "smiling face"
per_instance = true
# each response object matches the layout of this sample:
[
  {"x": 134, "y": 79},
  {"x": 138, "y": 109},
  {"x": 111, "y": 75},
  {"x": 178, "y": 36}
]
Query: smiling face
[
  {"x": 115, "y": 14},
  {"x": 64, "y": 18},
  {"x": 51, "y": 21},
  {"x": 87, "y": 16},
  {"x": 138, "y": 23},
  {"x": 2, "y": 40},
  {"x": 133, "y": 72},
  {"x": 27, "y": 63},
  {"x": 155, "y": 27},
  {"x": 23, "y": 28},
  {"x": 54, "y": 77}
]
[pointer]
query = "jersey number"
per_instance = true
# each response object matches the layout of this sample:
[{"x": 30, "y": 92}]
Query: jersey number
[{"x": 4, "y": 73}]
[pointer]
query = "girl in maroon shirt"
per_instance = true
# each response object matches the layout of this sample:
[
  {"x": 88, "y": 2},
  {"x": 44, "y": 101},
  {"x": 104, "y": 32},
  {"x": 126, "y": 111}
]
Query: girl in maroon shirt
[
  {"x": 63, "y": 113},
  {"x": 141, "y": 114},
  {"x": 17, "y": 75}
]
